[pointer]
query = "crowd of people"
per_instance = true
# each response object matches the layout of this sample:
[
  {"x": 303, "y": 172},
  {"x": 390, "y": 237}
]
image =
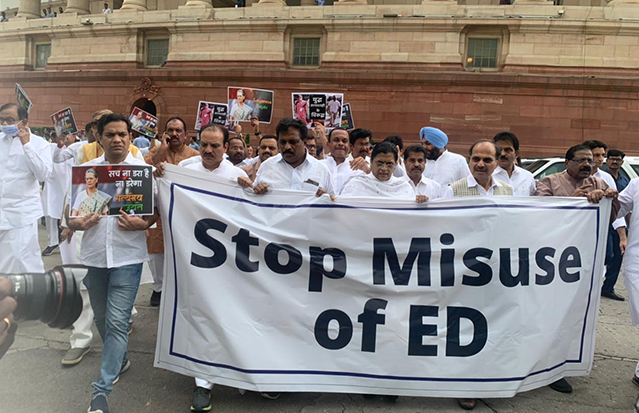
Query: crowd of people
[{"x": 338, "y": 163}]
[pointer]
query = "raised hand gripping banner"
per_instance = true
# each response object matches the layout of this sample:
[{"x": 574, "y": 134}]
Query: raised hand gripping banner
[{"x": 476, "y": 297}]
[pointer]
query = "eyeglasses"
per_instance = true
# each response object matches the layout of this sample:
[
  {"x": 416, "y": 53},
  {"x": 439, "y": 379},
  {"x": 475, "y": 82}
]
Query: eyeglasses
[
  {"x": 9, "y": 121},
  {"x": 583, "y": 160},
  {"x": 615, "y": 160}
]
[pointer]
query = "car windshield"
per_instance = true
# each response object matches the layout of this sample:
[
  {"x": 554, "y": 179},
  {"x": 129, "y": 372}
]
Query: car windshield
[
  {"x": 635, "y": 167},
  {"x": 535, "y": 166}
]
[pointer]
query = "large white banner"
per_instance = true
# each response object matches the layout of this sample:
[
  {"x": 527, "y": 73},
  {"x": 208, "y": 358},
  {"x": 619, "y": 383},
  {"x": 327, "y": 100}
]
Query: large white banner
[{"x": 457, "y": 298}]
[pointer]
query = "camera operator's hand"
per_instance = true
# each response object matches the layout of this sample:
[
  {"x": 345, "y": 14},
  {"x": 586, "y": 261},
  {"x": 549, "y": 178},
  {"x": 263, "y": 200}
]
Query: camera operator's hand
[
  {"x": 84, "y": 223},
  {"x": 7, "y": 307}
]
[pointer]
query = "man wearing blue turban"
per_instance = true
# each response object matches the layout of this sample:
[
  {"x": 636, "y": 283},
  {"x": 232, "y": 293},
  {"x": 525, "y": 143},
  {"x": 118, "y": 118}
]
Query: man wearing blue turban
[{"x": 442, "y": 166}]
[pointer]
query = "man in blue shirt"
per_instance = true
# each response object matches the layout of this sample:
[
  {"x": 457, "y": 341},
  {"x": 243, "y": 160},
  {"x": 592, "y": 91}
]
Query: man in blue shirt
[{"x": 141, "y": 141}]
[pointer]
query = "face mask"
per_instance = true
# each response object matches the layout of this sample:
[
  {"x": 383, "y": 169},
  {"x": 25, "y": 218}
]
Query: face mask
[{"x": 10, "y": 130}]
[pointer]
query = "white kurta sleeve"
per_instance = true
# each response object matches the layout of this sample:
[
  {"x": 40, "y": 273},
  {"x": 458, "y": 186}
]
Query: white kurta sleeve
[
  {"x": 447, "y": 192},
  {"x": 39, "y": 158},
  {"x": 626, "y": 199},
  {"x": 61, "y": 155}
]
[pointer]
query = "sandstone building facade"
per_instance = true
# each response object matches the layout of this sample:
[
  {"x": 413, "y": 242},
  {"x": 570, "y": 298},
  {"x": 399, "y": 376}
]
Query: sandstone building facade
[{"x": 553, "y": 74}]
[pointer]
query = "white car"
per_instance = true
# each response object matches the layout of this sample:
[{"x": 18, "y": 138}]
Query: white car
[{"x": 548, "y": 166}]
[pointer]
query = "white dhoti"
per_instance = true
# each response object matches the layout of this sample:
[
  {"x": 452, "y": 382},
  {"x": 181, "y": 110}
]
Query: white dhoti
[
  {"x": 20, "y": 250},
  {"x": 156, "y": 264},
  {"x": 52, "y": 231},
  {"x": 203, "y": 383},
  {"x": 82, "y": 336}
]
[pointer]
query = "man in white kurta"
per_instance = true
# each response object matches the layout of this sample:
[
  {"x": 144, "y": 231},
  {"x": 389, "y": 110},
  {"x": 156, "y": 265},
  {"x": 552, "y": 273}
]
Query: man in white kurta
[
  {"x": 213, "y": 145},
  {"x": 25, "y": 161},
  {"x": 53, "y": 194},
  {"x": 627, "y": 200},
  {"x": 381, "y": 182},
  {"x": 442, "y": 166}
]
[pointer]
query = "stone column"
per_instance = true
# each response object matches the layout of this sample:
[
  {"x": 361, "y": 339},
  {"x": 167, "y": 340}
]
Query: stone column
[
  {"x": 623, "y": 3},
  {"x": 29, "y": 9},
  {"x": 78, "y": 6},
  {"x": 133, "y": 5},
  {"x": 350, "y": 2},
  {"x": 269, "y": 2},
  {"x": 307, "y": 3},
  {"x": 535, "y": 2},
  {"x": 199, "y": 3}
]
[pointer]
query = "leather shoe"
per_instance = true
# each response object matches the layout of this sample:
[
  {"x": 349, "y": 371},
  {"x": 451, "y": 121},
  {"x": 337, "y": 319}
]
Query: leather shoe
[
  {"x": 562, "y": 386},
  {"x": 612, "y": 295},
  {"x": 635, "y": 380},
  {"x": 467, "y": 404}
]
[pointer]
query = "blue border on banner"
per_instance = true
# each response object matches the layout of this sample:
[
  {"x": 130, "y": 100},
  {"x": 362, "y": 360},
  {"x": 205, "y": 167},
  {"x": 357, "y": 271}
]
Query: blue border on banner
[{"x": 364, "y": 375}]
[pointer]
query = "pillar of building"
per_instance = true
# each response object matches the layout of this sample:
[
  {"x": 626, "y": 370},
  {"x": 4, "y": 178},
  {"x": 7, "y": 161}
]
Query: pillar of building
[
  {"x": 199, "y": 3},
  {"x": 307, "y": 3},
  {"x": 277, "y": 2},
  {"x": 29, "y": 9},
  {"x": 537, "y": 2},
  {"x": 623, "y": 3},
  {"x": 133, "y": 5},
  {"x": 350, "y": 2},
  {"x": 78, "y": 6},
  {"x": 429, "y": 2}
]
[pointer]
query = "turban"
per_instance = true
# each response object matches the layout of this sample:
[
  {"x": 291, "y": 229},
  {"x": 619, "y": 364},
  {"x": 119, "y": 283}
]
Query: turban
[{"x": 435, "y": 136}]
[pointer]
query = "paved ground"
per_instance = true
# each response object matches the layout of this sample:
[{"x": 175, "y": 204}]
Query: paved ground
[{"x": 33, "y": 380}]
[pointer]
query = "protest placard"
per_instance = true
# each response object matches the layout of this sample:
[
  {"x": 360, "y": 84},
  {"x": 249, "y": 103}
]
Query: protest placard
[
  {"x": 244, "y": 103},
  {"x": 294, "y": 293},
  {"x": 347, "y": 117},
  {"x": 318, "y": 107},
  {"x": 105, "y": 189},
  {"x": 23, "y": 98},
  {"x": 64, "y": 122},
  {"x": 211, "y": 112},
  {"x": 143, "y": 122}
]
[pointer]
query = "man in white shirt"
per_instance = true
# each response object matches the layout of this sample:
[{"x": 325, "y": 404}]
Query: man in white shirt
[
  {"x": 293, "y": 169},
  {"x": 442, "y": 166},
  {"x": 480, "y": 182},
  {"x": 53, "y": 195},
  {"x": 106, "y": 9},
  {"x": 617, "y": 237},
  {"x": 627, "y": 200},
  {"x": 213, "y": 144},
  {"x": 521, "y": 180},
  {"x": 415, "y": 161},
  {"x": 381, "y": 182},
  {"x": 359, "y": 158},
  {"x": 25, "y": 160},
  {"x": 114, "y": 249},
  {"x": 337, "y": 162},
  {"x": 483, "y": 161}
]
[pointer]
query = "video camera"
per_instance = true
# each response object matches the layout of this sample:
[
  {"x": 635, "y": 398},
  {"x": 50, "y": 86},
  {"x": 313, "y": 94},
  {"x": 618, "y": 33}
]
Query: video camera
[{"x": 53, "y": 298}]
